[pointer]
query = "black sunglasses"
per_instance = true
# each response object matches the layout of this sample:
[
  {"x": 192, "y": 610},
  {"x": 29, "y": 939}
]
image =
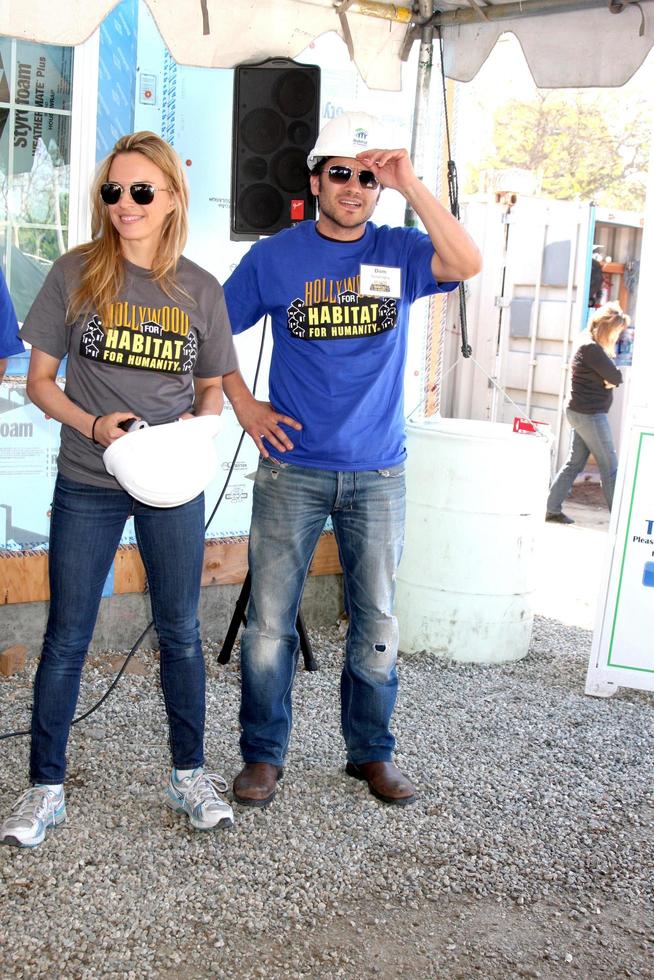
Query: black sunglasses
[
  {"x": 141, "y": 192},
  {"x": 342, "y": 175}
]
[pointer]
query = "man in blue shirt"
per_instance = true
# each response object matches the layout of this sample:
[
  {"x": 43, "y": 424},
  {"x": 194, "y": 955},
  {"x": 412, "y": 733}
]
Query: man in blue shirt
[
  {"x": 10, "y": 342},
  {"x": 331, "y": 438}
]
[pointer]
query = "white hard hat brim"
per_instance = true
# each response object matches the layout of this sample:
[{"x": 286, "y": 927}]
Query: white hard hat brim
[{"x": 166, "y": 465}]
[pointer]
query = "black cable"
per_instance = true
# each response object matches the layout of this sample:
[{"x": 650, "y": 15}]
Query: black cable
[
  {"x": 131, "y": 653},
  {"x": 104, "y": 697},
  {"x": 240, "y": 441},
  {"x": 453, "y": 194}
]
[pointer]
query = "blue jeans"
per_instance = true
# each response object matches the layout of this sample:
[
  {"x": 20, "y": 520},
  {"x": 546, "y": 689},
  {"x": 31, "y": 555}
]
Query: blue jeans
[
  {"x": 86, "y": 526},
  {"x": 291, "y": 505},
  {"x": 590, "y": 434}
]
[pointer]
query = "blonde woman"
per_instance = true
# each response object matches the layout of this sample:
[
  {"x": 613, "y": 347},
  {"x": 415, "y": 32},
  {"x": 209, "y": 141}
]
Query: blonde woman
[
  {"x": 594, "y": 375},
  {"x": 147, "y": 336}
]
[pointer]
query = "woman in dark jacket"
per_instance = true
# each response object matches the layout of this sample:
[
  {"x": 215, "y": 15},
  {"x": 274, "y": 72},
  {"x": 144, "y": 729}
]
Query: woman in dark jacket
[{"x": 594, "y": 375}]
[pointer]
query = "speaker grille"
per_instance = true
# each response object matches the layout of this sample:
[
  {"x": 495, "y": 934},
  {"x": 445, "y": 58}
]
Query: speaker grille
[
  {"x": 255, "y": 168},
  {"x": 289, "y": 170},
  {"x": 276, "y": 108},
  {"x": 263, "y": 130},
  {"x": 261, "y": 206},
  {"x": 295, "y": 93},
  {"x": 300, "y": 134}
]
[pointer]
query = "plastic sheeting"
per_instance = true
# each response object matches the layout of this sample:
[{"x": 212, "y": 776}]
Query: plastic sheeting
[
  {"x": 591, "y": 47},
  {"x": 571, "y": 49},
  {"x": 224, "y": 33}
]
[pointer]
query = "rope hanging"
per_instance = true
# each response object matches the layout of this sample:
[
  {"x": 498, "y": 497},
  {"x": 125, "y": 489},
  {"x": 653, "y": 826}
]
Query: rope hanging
[{"x": 453, "y": 193}]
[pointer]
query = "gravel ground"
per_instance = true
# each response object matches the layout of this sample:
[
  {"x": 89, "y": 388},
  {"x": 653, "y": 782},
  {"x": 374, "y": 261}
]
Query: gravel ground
[{"x": 530, "y": 852}]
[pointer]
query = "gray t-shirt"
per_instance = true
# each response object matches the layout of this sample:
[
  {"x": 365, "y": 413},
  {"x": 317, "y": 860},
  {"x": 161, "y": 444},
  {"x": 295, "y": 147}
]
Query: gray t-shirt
[{"x": 143, "y": 361}]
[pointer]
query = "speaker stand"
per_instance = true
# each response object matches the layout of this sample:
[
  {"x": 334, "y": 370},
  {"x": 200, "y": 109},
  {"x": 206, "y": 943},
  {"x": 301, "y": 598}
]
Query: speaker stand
[{"x": 239, "y": 616}]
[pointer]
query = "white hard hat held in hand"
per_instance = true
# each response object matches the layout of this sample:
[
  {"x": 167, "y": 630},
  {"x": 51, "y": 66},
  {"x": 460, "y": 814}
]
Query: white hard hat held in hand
[
  {"x": 166, "y": 465},
  {"x": 349, "y": 134}
]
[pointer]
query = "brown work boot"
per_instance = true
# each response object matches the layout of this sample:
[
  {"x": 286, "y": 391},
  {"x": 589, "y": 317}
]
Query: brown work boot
[
  {"x": 385, "y": 781},
  {"x": 256, "y": 783}
]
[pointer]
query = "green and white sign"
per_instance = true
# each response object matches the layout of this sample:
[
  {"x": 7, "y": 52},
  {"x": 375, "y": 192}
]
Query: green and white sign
[{"x": 623, "y": 651}]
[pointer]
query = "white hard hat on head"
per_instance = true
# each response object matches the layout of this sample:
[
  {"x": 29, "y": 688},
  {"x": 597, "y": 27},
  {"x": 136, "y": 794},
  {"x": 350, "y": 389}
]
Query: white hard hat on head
[
  {"x": 349, "y": 134},
  {"x": 166, "y": 465}
]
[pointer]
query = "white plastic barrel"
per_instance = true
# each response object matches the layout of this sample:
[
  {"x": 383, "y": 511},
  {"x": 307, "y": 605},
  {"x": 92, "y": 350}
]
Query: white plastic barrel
[{"x": 476, "y": 495}]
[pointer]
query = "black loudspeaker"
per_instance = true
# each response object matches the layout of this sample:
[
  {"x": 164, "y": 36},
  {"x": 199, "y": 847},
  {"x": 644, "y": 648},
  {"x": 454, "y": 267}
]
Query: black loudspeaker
[{"x": 276, "y": 115}]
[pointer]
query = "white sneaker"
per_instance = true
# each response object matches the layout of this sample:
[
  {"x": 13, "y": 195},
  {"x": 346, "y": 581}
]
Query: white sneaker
[
  {"x": 198, "y": 796},
  {"x": 35, "y": 810}
]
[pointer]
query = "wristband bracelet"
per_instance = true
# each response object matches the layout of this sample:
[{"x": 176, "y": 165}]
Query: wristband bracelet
[{"x": 95, "y": 441}]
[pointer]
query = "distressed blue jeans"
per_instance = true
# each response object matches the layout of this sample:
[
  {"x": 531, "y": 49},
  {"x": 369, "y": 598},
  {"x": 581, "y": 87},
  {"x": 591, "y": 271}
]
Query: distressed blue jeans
[
  {"x": 291, "y": 505},
  {"x": 86, "y": 526},
  {"x": 590, "y": 434}
]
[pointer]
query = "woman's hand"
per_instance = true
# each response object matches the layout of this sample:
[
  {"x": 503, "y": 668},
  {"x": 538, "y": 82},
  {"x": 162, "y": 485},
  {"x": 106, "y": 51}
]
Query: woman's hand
[
  {"x": 105, "y": 429},
  {"x": 43, "y": 390}
]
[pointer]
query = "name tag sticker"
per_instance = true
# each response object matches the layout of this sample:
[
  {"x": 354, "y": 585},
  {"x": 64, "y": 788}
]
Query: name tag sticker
[{"x": 380, "y": 280}]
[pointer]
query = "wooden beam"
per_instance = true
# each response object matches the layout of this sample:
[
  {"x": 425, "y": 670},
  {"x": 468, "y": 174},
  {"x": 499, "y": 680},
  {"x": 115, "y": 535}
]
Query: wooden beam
[
  {"x": 24, "y": 575},
  {"x": 129, "y": 573},
  {"x": 225, "y": 561}
]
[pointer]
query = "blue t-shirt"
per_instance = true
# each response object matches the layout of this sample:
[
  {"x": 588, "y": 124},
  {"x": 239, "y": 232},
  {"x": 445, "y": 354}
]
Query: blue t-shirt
[
  {"x": 338, "y": 356},
  {"x": 10, "y": 342}
]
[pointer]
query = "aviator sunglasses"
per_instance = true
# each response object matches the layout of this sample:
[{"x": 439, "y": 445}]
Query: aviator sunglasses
[
  {"x": 341, "y": 175},
  {"x": 141, "y": 192}
]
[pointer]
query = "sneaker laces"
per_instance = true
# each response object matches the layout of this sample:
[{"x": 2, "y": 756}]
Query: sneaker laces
[
  {"x": 36, "y": 803},
  {"x": 205, "y": 788}
]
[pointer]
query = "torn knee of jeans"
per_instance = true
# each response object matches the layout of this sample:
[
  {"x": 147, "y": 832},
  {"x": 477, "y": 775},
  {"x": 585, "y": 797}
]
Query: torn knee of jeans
[{"x": 380, "y": 660}]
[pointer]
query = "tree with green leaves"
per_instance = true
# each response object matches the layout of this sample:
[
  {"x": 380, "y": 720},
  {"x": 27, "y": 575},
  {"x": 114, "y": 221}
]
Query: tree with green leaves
[{"x": 582, "y": 146}]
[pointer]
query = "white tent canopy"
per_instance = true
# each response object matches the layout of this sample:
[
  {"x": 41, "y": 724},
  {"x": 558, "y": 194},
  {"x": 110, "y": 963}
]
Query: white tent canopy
[
  {"x": 566, "y": 42},
  {"x": 569, "y": 48}
]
